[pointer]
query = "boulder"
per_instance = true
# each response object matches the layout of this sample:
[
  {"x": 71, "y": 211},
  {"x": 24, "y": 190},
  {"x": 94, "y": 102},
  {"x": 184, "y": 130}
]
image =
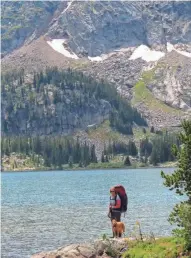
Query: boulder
[{"x": 100, "y": 248}]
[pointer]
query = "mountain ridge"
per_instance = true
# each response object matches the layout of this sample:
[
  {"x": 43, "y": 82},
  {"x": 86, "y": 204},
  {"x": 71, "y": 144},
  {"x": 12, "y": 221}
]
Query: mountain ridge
[{"x": 169, "y": 76}]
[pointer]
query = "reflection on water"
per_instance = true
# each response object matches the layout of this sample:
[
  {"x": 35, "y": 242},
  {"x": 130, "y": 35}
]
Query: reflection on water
[{"x": 45, "y": 210}]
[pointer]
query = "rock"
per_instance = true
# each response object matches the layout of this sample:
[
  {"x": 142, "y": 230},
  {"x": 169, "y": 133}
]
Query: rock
[
  {"x": 109, "y": 246},
  {"x": 100, "y": 27},
  {"x": 171, "y": 81},
  {"x": 100, "y": 248},
  {"x": 28, "y": 23}
]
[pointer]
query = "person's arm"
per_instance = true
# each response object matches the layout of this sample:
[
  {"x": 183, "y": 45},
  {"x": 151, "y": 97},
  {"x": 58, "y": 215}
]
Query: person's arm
[{"x": 109, "y": 211}]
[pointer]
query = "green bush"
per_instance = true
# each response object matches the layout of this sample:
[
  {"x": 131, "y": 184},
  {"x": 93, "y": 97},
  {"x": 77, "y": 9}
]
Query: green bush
[{"x": 161, "y": 248}]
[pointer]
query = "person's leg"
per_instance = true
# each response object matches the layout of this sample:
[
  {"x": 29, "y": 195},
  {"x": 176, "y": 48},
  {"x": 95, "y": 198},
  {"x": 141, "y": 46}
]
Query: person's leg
[
  {"x": 112, "y": 217},
  {"x": 118, "y": 216}
]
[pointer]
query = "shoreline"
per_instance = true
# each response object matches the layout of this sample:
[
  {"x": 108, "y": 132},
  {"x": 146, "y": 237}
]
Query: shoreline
[
  {"x": 119, "y": 247},
  {"x": 81, "y": 169}
]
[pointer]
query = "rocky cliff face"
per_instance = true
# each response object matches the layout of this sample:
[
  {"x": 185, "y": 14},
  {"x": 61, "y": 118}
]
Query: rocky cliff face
[
  {"x": 47, "y": 115},
  {"x": 170, "y": 81},
  {"x": 54, "y": 119},
  {"x": 24, "y": 21},
  {"x": 167, "y": 83},
  {"x": 96, "y": 27}
]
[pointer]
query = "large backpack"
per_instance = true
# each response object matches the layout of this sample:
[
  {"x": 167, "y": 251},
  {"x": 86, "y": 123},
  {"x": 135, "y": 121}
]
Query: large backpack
[{"x": 120, "y": 190}]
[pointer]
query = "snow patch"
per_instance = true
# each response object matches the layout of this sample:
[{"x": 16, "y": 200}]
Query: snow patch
[
  {"x": 95, "y": 58},
  {"x": 98, "y": 58},
  {"x": 149, "y": 55},
  {"x": 57, "y": 45},
  {"x": 146, "y": 54},
  {"x": 184, "y": 53},
  {"x": 143, "y": 52},
  {"x": 170, "y": 48}
]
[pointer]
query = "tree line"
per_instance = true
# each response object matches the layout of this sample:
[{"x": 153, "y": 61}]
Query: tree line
[
  {"x": 155, "y": 150},
  {"x": 59, "y": 150},
  {"x": 56, "y": 151}
]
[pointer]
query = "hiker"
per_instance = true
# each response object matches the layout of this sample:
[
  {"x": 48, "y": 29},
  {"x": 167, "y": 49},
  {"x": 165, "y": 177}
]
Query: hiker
[
  {"x": 115, "y": 205},
  {"x": 118, "y": 203}
]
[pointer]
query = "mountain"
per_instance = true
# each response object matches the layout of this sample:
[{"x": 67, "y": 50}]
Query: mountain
[
  {"x": 61, "y": 102},
  {"x": 142, "y": 48},
  {"x": 96, "y": 27}
]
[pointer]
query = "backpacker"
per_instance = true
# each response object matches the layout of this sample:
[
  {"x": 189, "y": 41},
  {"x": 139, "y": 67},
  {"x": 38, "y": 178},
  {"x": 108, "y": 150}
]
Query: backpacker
[{"x": 120, "y": 190}]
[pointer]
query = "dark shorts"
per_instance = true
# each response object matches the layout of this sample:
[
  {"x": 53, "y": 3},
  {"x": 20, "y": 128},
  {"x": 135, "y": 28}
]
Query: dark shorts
[{"x": 116, "y": 215}]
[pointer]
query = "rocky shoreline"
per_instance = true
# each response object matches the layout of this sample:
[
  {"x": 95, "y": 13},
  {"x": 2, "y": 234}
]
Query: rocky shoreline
[{"x": 107, "y": 248}]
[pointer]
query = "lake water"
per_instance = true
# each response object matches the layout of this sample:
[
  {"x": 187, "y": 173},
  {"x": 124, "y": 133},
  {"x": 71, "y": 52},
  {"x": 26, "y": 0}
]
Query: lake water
[{"x": 46, "y": 210}]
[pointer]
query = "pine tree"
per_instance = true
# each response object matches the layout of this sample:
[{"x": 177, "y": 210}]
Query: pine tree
[
  {"x": 105, "y": 149},
  {"x": 132, "y": 149},
  {"x": 110, "y": 149},
  {"x": 80, "y": 164},
  {"x": 154, "y": 158},
  {"x": 93, "y": 157},
  {"x": 70, "y": 162},
  {"x": 34, "y": 80},
  {"x": 146, "y": 157},
  {"x": 14, "y": 164},
  {"x": 77, "y": 151},
  {"x": 152, "y": 129},
  {"x": 102, "y": 158},
  {"x": 127, "y": 161},
  {"x": 86, "y": 155},
  {"x": 106, "y": 159},
  {"x": 180, "y": 180}
]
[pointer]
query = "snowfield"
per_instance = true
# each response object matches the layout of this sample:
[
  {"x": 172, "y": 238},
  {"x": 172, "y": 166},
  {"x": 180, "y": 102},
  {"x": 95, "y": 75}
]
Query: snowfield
[
  {"x": 143, "y": 52},
  {"x": 146, "y": 54},
  {"x": 95, "y": 58},
  {"x": 170, "y": 48},
  {"x": 57, "y": 45},
  {"x": 149, "y": 55}
]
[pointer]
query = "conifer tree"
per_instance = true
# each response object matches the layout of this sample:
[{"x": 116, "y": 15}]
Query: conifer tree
[
  {"x": 152, "y": 129},
  {"x": 102, "y": 158},
  {"x": 93, "y": 157},
  {"x": 70, "y": 162},
  {"x": 106, "y": 159},
  {"x": 154, "y": 158},
  {"x": 127, "y": 161},
  {"x": 180, "y": 181},
  {"x": 132, "y": 149}
]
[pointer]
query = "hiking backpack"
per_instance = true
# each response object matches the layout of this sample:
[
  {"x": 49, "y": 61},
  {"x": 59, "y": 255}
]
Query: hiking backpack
[{"x": 120, "y": 190}]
